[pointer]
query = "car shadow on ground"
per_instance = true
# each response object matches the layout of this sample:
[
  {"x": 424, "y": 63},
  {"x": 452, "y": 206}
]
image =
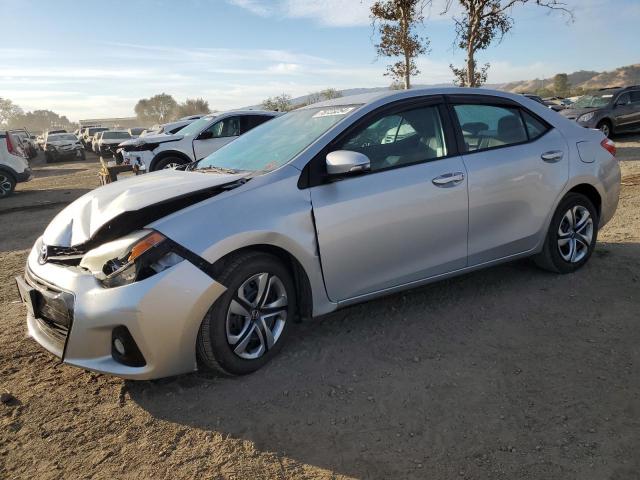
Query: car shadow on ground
[{"x": 496, "y": 369}]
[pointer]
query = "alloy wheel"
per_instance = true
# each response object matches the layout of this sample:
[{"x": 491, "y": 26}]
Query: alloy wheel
[
  {"x": 256, "y": 316},
  {"x": 171, "y": 165},
  {"x": 604, "y": 128},
  {"x": 5, "y": 185},
  {"x": 575, "y": 234}
]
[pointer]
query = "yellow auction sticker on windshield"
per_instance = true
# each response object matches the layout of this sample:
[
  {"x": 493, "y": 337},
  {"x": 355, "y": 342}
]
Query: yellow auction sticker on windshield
[{"x": 330, "y": 112}]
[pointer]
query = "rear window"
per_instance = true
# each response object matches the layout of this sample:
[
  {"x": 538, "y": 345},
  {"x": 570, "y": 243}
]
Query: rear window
[{"x": 115, "y": 135}]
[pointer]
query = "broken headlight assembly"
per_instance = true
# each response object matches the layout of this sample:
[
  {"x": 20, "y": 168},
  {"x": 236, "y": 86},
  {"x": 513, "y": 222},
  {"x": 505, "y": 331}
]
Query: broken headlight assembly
[{"x": 132, "y": 258}]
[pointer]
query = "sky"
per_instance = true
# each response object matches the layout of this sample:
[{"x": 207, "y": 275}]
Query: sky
[{"x": 90, "y": 59}]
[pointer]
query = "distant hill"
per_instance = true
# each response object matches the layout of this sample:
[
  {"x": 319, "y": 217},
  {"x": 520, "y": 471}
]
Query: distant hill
[{"x": 587, "y": 80}]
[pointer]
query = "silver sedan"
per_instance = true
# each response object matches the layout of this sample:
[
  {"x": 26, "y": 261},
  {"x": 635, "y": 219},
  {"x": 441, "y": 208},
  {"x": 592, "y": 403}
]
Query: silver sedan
[{"x": 326, "y": 206}]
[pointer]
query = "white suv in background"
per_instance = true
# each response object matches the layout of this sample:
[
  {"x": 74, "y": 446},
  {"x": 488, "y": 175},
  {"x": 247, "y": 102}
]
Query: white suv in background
[
  {"x": 14, "y": 167},
  {"x": 193, "y": 142}
]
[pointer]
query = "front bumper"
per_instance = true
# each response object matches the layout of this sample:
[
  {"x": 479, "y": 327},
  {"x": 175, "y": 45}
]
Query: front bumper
[
  {"x": 141, "y": 158},
  {"x": 162, "y": 313}
]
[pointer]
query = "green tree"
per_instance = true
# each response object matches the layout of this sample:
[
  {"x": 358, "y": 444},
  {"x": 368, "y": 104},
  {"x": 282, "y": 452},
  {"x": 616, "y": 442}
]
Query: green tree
[
  {"x": 192, "y": 106},
  {"x": 480, "y": 24},
  {"x": 561, "y": 85},
  {"x": 280, "y": 103},
  {"x": 8, "y": 111},
  {"x": 395, "y": 22},
  {"x": 41, "y": 120},
  {"x": 160, "y": 108},
  {"x": 330, "y": 93}
]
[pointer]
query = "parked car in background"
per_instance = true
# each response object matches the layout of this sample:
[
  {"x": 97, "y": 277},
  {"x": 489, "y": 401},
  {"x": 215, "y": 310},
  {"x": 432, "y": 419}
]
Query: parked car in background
[
  {"x": 59, "y": 146},
  {"x": 61, "y": 130},
  {"x": 610, "y": 110},
  {"x": 87, "y": 136},
  {"x": 323, "y": 207},
  {"x": 192, "y": 142},
  {"x": 554, "y": 103},
  {"x": 14, "y": 166},
  {"x": 29, "y": 145},
  {"x": 539, "y": 99},
  {"x": 96, "y": 139},
  {"x": 109, "y": 140}
]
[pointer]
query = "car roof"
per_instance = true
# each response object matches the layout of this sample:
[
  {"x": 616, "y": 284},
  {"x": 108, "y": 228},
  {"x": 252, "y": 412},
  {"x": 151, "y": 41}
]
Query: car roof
[{"x": 391, "y": 95}]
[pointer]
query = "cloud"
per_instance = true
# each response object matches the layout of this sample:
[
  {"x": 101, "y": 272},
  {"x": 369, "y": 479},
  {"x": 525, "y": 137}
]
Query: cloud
[{"x": 254, "y": 6}]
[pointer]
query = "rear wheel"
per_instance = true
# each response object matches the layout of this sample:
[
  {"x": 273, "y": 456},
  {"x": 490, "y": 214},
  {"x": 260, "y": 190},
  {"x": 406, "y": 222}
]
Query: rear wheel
[
  {"x": 248, "y": 325},
  {"x": 7, "y": 184},
  {"x": 572, "y": 235},
  {"x": 168, "y": 162}
]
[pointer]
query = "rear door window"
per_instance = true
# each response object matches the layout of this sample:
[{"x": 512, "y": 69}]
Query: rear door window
[
  {"x": 248, "y": 122},
  {"x": 490, "y": 126}
]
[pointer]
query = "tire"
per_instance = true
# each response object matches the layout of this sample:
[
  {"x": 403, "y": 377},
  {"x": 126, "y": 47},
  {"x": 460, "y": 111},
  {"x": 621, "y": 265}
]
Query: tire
[
  {"x": 82, "y": 155},
  {"x": 605, "y": 127},
  {"x": 48, "y": 158},
  {"x": 168, "y": 162},
  {"x": 234, "y": 340},
  {"x": 568, "y": 252},
  {"x": 7, "y": 184}
]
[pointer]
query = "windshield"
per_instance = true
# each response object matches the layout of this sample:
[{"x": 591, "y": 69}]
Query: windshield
[
  {"x": 93, "y": 131},
  {"x": 275, "y": 142},
  {"x": 115, "y": 135},
  {"x": 196, "y": 127},
  {"x": 590, "y": 101},
  {"x": 62, "y": 137},
  {"x": 136, "y": 131}
]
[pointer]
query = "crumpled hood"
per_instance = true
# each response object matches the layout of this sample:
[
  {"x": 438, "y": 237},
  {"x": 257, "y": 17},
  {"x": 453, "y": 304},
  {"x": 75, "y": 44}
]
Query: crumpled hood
[
  {"x": 157, "y": 138},
  {"x": 83, "y": 218}
]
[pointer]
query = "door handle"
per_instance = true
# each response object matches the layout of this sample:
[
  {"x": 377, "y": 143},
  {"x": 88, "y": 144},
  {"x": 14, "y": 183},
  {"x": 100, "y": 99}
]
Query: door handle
[
  {"x": 448, "y": 179},
  {"x": 552, "y": 156}
]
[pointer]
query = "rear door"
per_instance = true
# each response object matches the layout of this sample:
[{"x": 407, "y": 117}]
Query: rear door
[
  {"x": 406, "y": 219},
  {"x": 217, "y": 135},
  {"x": 623, "y": 112},
  {"x": 517, "y": 167}
]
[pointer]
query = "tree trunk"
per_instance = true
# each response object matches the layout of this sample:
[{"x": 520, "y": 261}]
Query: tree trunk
[
  {"x": 407, "y": 72},
  {"x": 471, "y": 68}
]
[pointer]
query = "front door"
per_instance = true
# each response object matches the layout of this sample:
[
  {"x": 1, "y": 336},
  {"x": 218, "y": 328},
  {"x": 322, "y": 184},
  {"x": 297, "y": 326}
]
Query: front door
[
  {"x": 216, "y": 136},
  {"x": 405, "y": 220}
]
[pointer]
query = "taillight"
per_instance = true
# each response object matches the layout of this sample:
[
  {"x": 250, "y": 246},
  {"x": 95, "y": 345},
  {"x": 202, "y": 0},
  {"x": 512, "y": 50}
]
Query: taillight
[
  {"x": 10, "y": 148},
  {"x": 609, "y": 146}
]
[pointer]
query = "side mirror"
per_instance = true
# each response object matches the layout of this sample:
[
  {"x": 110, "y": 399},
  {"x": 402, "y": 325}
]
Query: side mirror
[
  {"x": 345, "y": 162},
  {"x": 206, "y": 135}
]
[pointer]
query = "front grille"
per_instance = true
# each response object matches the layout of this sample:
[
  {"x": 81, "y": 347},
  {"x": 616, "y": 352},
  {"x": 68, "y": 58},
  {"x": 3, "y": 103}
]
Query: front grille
[
  {"x": 51, "y": 304},
  {"x": 65, "y": 255},
  {"x": 53, "y": 309}
]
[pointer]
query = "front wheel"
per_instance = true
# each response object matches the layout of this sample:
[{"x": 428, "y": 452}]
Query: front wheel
[
  {"x": 248, "y": 325},
  {"x": 572, "y": 235},
  {"x": 7, "y": 184},
  {"x": 605, "y": 128},
  {"x": 168, "y": 162}
]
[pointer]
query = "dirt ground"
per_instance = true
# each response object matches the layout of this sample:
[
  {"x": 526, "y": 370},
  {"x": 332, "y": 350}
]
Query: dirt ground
[{"x": 508, "y": 373}]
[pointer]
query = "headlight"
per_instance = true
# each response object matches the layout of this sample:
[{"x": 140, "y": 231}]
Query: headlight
[
  {"x": 586, "y": 117},
  {"x": 135, "y": 257}
]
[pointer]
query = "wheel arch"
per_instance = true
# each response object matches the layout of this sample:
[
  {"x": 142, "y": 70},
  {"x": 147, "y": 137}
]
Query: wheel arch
[
  {"x": 304, "y": 294},
  {"x": 168, "y": 153},
  {"x": 590, "y": 192}
]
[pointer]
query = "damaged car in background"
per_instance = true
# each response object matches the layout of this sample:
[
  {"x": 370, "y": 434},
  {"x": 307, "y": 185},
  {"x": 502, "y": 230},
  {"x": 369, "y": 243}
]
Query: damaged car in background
[
  {"x": 61, "y": 146},
  {"x": 326, "y": 206},
  {"x": 195, "y": 141}
]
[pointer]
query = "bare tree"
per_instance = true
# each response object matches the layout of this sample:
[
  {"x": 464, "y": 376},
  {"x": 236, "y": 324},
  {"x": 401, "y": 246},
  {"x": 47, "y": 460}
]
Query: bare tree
[
  {"x": 482, "y": 22},
  {"x": 313, "y": 97},
  {"x": 395, "y": 21},
  {"x": 192, "y": 106}
]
